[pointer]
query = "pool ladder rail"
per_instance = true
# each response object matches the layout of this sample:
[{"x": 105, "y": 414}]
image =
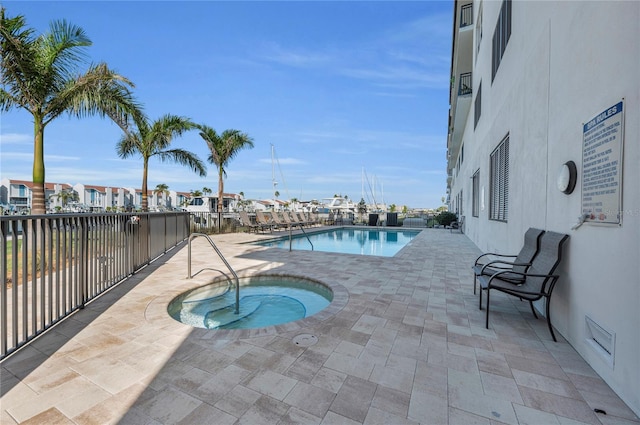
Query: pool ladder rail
[
  {"x": 291, "y": 237},
  {"x": 224, "y": 260}
]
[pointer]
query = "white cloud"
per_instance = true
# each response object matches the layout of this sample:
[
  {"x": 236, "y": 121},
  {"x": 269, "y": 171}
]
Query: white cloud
[{"x": 16, "y": 138}]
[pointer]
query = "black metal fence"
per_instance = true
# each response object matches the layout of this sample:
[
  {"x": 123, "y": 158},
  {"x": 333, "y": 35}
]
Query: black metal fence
[{"x": 51, "y": 265}]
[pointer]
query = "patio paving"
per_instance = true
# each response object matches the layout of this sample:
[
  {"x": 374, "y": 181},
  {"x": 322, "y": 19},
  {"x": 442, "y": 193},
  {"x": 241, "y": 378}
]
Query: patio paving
[{"x": 404, "y": 343}]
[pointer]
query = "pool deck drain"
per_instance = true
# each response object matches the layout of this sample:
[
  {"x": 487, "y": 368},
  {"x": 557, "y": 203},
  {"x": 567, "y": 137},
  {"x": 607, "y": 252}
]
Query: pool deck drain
[{"x": 305, "y": 340}]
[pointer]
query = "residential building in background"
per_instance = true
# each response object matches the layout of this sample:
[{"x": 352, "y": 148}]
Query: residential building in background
[{"x": 543, "y": 132}]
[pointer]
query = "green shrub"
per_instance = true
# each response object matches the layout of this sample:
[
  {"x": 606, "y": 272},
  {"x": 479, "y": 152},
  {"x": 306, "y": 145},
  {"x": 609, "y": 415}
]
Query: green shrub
[{"x": 446, "y": 218}]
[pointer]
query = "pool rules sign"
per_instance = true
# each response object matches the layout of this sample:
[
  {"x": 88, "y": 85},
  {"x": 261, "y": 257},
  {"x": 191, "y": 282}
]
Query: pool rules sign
[{"x": 602, "y": 143}]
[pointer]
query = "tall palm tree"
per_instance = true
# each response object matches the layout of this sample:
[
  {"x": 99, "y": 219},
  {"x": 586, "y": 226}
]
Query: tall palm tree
[
  {"x": 151, "y": 139},
  {"x": 162, "y": 189},
  {"x": 40, "y": 74},
  {"x": 223, "y": 147},
  {"x": 64, "y": 196}
]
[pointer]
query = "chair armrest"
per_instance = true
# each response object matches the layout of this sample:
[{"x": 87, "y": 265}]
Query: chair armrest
[
  {"x": 492, "y": 264},
  {"x": 524, "y": 275},
  {"x": 495, "y": 255}
]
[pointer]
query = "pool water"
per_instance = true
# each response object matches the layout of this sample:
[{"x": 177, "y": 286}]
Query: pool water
[
  {"x": 384, "y": 243},
  {"x": 264, "y": 301}
]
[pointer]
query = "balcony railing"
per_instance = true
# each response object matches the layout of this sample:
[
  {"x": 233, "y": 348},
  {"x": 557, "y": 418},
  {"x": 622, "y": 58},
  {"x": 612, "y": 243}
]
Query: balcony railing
[
  {"x": 465, "y": 87},
  {"x": 466, "y": 15},
  {"x": 52, "y": 265}
]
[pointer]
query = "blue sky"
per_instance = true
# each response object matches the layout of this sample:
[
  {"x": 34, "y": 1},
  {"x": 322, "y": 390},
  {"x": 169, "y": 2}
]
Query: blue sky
[{"x": 335, "y": 87}]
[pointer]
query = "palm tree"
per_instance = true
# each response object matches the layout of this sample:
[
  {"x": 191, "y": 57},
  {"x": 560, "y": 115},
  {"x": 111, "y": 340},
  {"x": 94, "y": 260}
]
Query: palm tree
[
  {"x": 40, "y": 74},
  {"x": 153, "y": 139},
  {"x": 223, "y": 147},
  {"x": 207, "y": 191},
  {"x": 64, "y": 196},
  {"x": 162, "y": 189}
]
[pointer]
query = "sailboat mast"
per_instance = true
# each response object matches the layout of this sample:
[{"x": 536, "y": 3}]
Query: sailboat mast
[{"x": 273, "y": 174}]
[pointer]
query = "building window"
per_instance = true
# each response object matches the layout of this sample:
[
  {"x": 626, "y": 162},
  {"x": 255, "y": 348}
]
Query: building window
[
  {"x": 479, "y": 29},
  {"x": 501, "y": 36},
  {"x": 477, "y": 106},
  {"x": 499, "y": 184},
  {"x": 475, "y": 208},
  {"x": 466, "y": 15}
]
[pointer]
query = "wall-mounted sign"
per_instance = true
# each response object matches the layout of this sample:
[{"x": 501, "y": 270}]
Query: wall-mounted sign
[{"x": 602, "y": 143}]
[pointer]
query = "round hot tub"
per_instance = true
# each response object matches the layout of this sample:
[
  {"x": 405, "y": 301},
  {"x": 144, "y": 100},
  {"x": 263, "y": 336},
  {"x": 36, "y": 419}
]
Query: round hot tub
[{"x": 264, "y": 301}]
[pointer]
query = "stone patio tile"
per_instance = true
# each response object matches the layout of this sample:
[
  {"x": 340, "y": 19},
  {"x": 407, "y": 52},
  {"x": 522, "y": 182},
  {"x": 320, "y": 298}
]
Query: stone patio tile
[
  {"x": 500, "y": 387},
  {"x": 206, "y": 414},
  {"x": 547, "y": 384},
  {"x": 428, "y": 408},
  {"x": 238, "y": 400},
  {"x": 271, "y": 384},
  {"x": 332, "y": 418},
  {"x": 376, "y": 416},
  {"x": 391, "y": 401},
  {"x": 539, "y": 368},
  {"x": 354, "y": 398},
  {"x": 169, "y": 406},
  {"x": 393, "y": 378},
  {"x": 466, "y": 393},
  {"x": 360, "y": 368},
  {"x": 265, "y": 410},
  {"x": 49, "y": 416},
  {"x": 299, "y": 417},
  {"x": 558, "y": 405},
  {"x": 329, "y": 379},
  {"x": 305, "y": 367},
  {"x": 311, "y": 399}
]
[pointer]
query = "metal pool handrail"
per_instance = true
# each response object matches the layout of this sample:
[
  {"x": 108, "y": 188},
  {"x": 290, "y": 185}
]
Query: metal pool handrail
[
  {"x": 224, "y": 260},
  {"x": 305, "y": 234}
]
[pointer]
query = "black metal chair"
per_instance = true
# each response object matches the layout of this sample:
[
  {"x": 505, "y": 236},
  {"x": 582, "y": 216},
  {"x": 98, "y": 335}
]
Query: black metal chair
[
  {"x": 538, "y": 281},
  {"x": 491, "y": 262}
]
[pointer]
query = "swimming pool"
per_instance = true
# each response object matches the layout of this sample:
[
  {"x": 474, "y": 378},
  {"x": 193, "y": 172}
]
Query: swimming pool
[{"x": 345, "y": 240}]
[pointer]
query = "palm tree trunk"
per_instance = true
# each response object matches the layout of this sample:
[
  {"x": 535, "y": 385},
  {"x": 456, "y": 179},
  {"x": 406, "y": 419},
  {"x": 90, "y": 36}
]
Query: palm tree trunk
[
  {"x": 220, "y": 199},
  {"x": 37, "y": 199},
  {"x": 145, "y": 171}
]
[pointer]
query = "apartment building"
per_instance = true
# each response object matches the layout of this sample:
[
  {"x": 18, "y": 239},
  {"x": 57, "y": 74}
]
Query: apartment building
[
  {"x": 544, "y": 132},
  {"x": 16, "y": 195}
]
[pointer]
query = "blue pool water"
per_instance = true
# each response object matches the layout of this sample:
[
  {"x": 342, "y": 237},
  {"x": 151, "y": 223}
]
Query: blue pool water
[
  {"x": 264, "y": 301},
  {"x": 384, "y": 243}
]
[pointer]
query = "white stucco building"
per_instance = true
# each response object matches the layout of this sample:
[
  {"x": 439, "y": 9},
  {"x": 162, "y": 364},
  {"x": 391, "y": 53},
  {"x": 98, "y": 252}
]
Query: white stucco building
[{"x": 536, "y": 84}]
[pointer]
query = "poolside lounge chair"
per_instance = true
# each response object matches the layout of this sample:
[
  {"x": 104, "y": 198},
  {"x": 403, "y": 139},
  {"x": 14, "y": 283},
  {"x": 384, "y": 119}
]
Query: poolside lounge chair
[
  {"x": 278, "y": 221},
  {"x": 538, "y": 281},
  {"x": 301, "y": 218},
  {"x": 246, "y": 221},
  {"x": 491, "y": 262},
  {"x": 290, "y": 221},
  {"x": 262, "y": 219}
]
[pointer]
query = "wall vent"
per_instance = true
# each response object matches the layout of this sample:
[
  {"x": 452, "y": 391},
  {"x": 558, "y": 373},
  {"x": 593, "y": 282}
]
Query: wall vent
[{"x": 601, "y": 340}]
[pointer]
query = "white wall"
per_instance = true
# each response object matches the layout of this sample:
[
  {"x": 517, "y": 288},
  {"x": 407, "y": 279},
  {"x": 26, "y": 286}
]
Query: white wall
[{"x": 565, "y": 63}]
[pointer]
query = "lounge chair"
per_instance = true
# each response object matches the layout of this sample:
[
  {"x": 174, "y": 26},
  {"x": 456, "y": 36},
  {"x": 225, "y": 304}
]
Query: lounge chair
[
  {"x": 301, "y": 218},
  {"x": 246, "y": 221},
  {"x": 491, "y": 262},
  {"x": 290, "y": 221},
  {"x": 538, "y": 281},
  {"x": 279, "y": 222},
  {"x": 265, "y": 221}
]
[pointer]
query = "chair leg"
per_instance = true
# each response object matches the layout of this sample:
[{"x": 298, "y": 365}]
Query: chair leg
[
  {"x": 549, "y": 320},
  {"x": 487, "y": 321},
  {"x": 475, "y": 282},
  {"x": 480, "y": 299},
  {"x": 533, "y": 310}
]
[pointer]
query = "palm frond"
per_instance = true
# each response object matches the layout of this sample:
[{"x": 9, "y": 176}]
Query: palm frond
[{"x": 185, "y": 158}]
